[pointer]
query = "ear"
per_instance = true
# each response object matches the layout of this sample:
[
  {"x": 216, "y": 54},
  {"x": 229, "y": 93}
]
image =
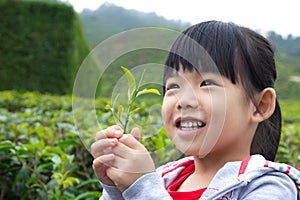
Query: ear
[{"x": 266, "y": 101}]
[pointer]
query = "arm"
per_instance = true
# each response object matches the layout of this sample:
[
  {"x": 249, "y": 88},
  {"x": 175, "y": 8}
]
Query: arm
[
  {"x": 147, "y": 187},
  {"x": 275, "y": 185},
  {"x": 139, "y": 189},
  {"x": 110, "y": 193}
]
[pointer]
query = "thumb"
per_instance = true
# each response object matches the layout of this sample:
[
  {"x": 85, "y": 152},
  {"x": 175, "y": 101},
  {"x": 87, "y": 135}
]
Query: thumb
[{"x": 136, "y": 133}]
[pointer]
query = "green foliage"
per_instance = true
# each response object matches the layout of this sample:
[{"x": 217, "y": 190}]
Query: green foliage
[
  {"x": 42, "y": 46},
  {"x": 42, "y": 157},
  {"x": 288, "y": 81},
  {"x": 289, "y": 151}
]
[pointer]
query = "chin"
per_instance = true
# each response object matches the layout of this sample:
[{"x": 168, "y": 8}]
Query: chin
[
  {"x": 188, "y": 149},
  {"x": 193, "y": 150}
]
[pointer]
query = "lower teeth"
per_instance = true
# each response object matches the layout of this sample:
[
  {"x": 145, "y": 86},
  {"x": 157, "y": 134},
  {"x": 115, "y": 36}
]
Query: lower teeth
[{"x": 188, "y": 128}]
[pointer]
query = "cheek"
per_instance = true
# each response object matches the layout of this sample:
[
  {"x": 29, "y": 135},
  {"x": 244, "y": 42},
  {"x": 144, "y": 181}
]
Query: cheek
[
  {"x": 164, "y": 111},
  {"x": 218, "y": 111},
  {"x": 168, "y": 107},
  {"x": 167, "y": 113}
]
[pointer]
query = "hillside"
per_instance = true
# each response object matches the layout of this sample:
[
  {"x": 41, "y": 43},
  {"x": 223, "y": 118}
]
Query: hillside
[
  {"x": 110, "y": 19},
  {"x": 289, "y": 45},
  {"x": 288, "y": 81}
]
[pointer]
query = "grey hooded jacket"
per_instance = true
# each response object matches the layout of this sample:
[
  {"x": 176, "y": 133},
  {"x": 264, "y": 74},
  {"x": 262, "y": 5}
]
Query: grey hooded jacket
[{"x": 252, "y": 178}]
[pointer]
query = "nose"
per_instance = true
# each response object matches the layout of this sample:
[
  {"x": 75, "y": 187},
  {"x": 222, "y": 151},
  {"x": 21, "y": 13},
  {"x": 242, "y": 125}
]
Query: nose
[{"x": 187, "y": 100}]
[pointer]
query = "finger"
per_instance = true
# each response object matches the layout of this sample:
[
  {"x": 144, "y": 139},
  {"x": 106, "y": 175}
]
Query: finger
[
  {"x": 104, "y": 160},
  {"x": 110, "y": 132},
  {"x": 131, "y": 142},
  {"x": 118, "y": 162},
  {"x": 104, "y": 146},
  {"x": 132, "y": 161},
  {"x": 125, "y": 165},
  {"x": 100, "y": 169},
  {"x": 136, "y": 134},
  {"x": 115, "y": 175},
  {"x": 138, "y": 163},
  {"x": 123, "y": 151},
  {"x": 122, "y": 179}
]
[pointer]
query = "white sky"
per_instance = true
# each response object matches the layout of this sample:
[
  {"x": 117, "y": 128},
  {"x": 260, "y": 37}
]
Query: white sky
[{"x": 261, "y": 15}]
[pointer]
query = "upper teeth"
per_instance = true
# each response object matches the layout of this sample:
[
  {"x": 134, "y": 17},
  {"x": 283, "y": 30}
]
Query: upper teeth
[{"x": 191, "y": 124}]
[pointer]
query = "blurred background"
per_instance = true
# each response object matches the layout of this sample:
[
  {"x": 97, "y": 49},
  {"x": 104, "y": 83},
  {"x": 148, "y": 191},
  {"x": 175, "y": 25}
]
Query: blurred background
[{"x": 42, "y": 46}]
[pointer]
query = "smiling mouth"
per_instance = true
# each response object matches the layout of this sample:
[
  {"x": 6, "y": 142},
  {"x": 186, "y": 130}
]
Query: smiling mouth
[{"x": 189, "y": 125}]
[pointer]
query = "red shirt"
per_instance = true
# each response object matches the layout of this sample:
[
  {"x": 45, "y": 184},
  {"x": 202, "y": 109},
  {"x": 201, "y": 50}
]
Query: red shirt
[{"x": 189, "y": 195}]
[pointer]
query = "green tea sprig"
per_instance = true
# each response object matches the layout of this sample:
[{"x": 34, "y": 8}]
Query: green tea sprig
[{"x": 135, "y": 90}]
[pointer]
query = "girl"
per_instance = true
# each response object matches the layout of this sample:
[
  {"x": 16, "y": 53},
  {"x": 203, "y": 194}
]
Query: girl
[{"x": 220, "y": 108}]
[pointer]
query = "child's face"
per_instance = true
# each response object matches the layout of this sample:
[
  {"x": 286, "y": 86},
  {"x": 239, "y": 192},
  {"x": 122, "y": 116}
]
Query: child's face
[{"x": 206, "y": 113}]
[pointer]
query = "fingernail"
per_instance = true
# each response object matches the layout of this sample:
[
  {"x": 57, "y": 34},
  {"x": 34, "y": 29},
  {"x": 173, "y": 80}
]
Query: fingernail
[
  {"x": 118, "y": 133},
  {"x": 113, "y": 140}
]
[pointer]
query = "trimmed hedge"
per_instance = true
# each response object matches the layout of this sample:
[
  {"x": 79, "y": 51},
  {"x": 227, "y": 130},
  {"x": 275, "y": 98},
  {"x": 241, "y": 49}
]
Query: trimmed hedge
[{"x": 42, "y": 46}]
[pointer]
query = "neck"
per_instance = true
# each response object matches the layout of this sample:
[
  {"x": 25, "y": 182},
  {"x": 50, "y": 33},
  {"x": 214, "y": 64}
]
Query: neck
[
  {"x": 211, "y": 163},
  {"x": 205, "y": 170},
  {"x": 207, "y": 167}
]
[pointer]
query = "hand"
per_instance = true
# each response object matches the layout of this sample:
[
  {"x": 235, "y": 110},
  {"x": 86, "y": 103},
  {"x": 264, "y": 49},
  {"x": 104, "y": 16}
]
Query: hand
[
  {"x": 131, "y": 161},
  {"x": 102, "y": 152}
]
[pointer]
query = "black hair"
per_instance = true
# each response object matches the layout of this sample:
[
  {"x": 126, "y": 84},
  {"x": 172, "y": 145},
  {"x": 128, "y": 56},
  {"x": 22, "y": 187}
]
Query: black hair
[{"x": 239, "y": 54}]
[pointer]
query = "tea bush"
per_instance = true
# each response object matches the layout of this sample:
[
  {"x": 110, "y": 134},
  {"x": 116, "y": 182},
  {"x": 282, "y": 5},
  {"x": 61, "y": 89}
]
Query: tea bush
[{"x": 42, "y": 156}]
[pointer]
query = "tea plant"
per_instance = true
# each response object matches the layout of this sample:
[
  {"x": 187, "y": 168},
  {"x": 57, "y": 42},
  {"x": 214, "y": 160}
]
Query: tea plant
[{"x": 42, "y": 157}]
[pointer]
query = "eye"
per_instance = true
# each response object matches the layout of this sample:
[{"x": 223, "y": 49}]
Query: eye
[
  {"x": 207, "y": 83},
  {"x": 172, "y": 86}
]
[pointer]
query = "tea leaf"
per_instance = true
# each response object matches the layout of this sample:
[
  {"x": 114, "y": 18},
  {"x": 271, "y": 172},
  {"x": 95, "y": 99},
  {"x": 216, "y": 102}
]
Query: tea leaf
[
  {"x": 88, "y": 194},
  {"x": 134, "y": 111},
  {"x": 148, "y": 91},
  {"x": 107, "y": 107},
  {"x": 131, "y": 81},
  {"x": 141, "y": 79},
  {"x": 120, "y": 111}
]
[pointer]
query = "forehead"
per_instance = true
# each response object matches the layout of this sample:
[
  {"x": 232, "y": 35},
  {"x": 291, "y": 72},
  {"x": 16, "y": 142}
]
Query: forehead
[
  {"x": 183, "y": 70},
  {"x": 191, "y": 75}
]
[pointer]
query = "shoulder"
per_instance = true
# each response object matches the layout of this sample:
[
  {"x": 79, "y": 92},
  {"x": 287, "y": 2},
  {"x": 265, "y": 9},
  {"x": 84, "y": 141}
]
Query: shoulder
[
  {"x": 274, "y": 184},
  {"x": 257, "y": 165},
  {"x": 269, "y": 178}
]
